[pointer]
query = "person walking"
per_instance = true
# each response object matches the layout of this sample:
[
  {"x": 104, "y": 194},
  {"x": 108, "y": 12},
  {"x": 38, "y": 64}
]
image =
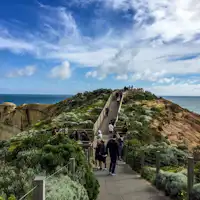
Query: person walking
[
  {"x": 121, "y": 94},
  {"x": 107, "y": 111},
  {"x": 110, "y": 128},
  {"x": 113, "y": 148},
  {"x": 97, "y": 152},
  {"x": 121, "y": 144},
  {"x": 102, "y": 155},
  {"x": 99, "y": 134}
]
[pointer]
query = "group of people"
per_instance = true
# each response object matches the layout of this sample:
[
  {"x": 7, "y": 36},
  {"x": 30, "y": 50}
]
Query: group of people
[
  {"x": 128, "y": 88},
  {"x": 119, "y": 96},
  {"x": 114, "y": 148},
  {"x": 82, "y": 136}
]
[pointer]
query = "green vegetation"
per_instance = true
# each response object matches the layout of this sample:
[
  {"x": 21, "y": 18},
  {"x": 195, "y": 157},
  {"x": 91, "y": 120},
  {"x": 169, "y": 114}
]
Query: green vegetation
[
  {"x": 38, "y": 152},
  {"x": 79, "y": 111},
  {"x": 138, "y": 111}
]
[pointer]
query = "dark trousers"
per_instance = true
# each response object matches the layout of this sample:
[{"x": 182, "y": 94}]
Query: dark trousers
[
  {"x": 120, "y": 150},
  {"x": 113, "y": 161}
]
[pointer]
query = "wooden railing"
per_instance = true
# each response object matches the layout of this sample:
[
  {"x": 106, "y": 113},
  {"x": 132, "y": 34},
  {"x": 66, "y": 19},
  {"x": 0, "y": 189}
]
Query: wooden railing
[
  {"x": 120, "y": 105},
  {"x": 102, "y": 114}
]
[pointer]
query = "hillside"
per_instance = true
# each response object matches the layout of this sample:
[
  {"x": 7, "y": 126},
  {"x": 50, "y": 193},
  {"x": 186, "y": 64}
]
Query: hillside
[
  {"x": 155, "y": 126},
  {"x": 38, "y": 151},
  {"x": 161, "y": 118},
  {"x": 82, "y": 111}
]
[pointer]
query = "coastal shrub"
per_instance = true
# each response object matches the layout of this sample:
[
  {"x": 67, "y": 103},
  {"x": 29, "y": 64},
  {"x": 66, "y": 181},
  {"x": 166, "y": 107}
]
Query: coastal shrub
[
  {"x": 12, "y": 197},
  {"x": 173, "y": 169},
  {"x": 197, "y": 171},
  {"x": 195, "y": 195},
  {"x": 149, "y": 174},
  {"x": 62, "y": 187},
  {"x": 169, "y": 156},
  {"x": 149, "y": 96},
  {"x": 55, "y": 151},
  {"x": 155, "y": 109},
  {"x": 87, "y": 124},
  {"x": 91, "y": 184},
  {"x": 172, "y": 183},
  {"x": 14, "y": 181}
]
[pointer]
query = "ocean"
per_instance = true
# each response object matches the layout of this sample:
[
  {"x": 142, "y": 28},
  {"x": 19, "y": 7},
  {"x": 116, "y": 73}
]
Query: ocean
[
  {"x": 189, "y": 102},
  {"x": 20, "y": 99}
]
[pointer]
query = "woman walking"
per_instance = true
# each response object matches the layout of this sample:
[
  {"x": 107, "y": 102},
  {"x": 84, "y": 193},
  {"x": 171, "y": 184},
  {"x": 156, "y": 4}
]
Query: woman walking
[
  {"x": 102, "y": 155},
  {"x": 97, "y": 152},
  {"x": 121, "y": 144}
]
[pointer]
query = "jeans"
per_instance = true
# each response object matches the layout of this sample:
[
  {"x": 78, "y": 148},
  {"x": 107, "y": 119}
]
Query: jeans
[
  {"x": 120, "y": 151},
  {"x": 112, "y": 165}
]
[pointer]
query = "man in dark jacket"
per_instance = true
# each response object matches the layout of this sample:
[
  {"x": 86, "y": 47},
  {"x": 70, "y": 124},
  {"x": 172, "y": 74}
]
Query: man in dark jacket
[{"x": 113, "y": 148}]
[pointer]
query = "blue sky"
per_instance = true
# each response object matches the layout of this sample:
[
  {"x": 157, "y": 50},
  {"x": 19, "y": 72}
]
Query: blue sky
[{"x": 69, "y": 46}]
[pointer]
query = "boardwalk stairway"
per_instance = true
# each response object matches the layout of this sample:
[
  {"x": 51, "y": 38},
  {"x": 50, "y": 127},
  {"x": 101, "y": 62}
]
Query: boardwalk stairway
[{"x": 126, "y": 185}]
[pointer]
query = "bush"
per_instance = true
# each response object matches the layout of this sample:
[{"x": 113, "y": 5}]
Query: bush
[
  {"x": 56, "y": 151},
  {"x": 12, "y": 197},
  {"x": 170, "y": 156},
  {"x": 197, "y": 171},
  {"x": 62, "y": 187},
  {"x": 172, "y": 183},
  {"x": 14, "y": 181},
  {"x": 149, "y": 174},
  {"x": 195, "y": 195}
]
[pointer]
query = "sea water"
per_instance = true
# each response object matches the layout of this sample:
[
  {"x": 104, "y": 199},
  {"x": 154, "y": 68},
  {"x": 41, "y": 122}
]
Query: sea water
[
  {"x": 20, "y": 99},
  {"x": 189, "y": 102}
]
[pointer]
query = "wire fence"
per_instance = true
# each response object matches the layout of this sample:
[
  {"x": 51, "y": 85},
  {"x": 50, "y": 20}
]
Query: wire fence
[
  {"x": 38, "y": 191},
  {"x": 185, "y": 164}
]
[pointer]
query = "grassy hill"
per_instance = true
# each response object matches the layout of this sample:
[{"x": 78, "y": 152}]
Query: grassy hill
[
  {"x": 37, "y": 151},
  {"x": 155, "y": 124}
]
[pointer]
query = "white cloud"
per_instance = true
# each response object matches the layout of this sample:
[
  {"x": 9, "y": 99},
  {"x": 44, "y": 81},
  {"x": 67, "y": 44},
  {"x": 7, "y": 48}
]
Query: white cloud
[
  {"x": 26, "y": 71},
  {"x": 122, "y": 77},
  {"x": 171, "y": 18},
  {"x": 179, "y": 89},
  {"x": 166, "y": 80},
  {"x": 130, "y": 54},
  {"x": 62, "y": 72},
  {"x": 16, "y": 45},
  {"x": 93, "y": 74}
]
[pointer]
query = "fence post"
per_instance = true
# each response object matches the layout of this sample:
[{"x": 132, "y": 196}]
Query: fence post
[
  {"x": 39, "y": 192},
  {"x": 72, "y": 166},
  {"x": 142, "y": 160},
  {"x": 88, "y": 155},
  {"x": 190, "y": 176},
  {"x": 157, "y": 162},
  {"x": 126, "y": 154},
  {"x": 157, "y": 165}
]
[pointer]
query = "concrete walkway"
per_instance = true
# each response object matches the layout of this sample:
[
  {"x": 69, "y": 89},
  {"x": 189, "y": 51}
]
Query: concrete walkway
[
  {"x": 126, "y": 185},
  {"x": 113, "y": 111}
]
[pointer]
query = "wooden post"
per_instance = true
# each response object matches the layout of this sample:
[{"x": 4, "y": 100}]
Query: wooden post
[
  {"x": 157, "y": 165},
  {"x": 157, "y": 162},
  {"x": 142, "y": 160},
  {"x": 126, "y": 154},
  {"x": 72, "y": 166},
  {"x": 88, "y": 155},
  {"x": 39, "y": 192},
  {"x": 190, "y": 176},
  {"x": 85, "y": 151}
]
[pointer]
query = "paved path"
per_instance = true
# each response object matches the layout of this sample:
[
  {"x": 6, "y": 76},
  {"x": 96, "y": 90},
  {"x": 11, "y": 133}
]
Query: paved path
[
  {"x": 113, "y": 110},
  {"x": 126, "y": 185}
]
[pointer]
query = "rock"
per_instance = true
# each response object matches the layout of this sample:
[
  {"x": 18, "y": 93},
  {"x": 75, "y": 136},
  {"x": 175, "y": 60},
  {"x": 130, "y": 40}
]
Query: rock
[{"x": 14, "y": 118}]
